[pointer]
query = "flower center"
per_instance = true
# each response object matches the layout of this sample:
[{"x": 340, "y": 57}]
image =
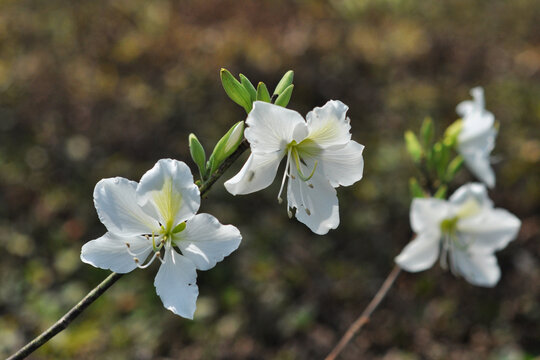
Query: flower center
[
  {"x": 161, "y": 241},
  {"x": 449, "y": 226},
  {"x": 451, "y": 238},
  {"x": 296, "y": 152}
]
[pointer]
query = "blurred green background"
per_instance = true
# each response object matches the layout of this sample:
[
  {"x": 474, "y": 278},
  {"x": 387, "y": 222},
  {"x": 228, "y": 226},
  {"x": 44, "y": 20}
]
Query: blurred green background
[{"x": 95, "y": 89}]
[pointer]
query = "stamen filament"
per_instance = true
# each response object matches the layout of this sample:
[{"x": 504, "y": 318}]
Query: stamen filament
[
  {"x": 298, "y": 168},
  {"x": 444, "y": 252},
  {"x": 134, "y": 254},
  {"x": 285, "y": 174},
  {"x": 148, "y": 263}
]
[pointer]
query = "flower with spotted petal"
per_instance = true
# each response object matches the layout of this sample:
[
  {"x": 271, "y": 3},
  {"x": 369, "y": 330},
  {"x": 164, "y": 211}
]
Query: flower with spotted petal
[
  {"x": 320, "y": 157},
  {"x": 156, "y": 219}
]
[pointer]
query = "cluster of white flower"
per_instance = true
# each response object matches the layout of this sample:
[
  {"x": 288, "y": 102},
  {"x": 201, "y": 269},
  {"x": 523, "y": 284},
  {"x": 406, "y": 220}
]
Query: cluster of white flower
[
  {"x": 466, "y": 230},
  {"x": 156, "y": 218}
]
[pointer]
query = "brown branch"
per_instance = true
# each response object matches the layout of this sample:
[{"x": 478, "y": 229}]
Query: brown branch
[
  {"x": 357, "y": 325},
  {"x": 67, "y": 318}
]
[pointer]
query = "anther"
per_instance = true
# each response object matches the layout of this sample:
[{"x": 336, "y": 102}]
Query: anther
[{"x": 311, "y": 186}]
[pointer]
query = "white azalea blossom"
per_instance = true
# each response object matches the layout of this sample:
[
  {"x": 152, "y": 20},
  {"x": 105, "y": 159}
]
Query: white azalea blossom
[
  {"x": 320, "y": 157},
  {"x": 155, "y": 219},
  {"x": 476, "y": 139},
  {"x": 464, "y": 231}
]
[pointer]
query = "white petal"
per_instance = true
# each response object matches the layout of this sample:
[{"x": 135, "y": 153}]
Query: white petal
[
  {"x": 421, "y": 253},
  {"x": 205, "y": 241},
  {"x": 116, "y": 204},
  {"x": 477, "y": 125},
  {"x": 467, "y": 107},
  {"x": 169, "y": 191},
  {"x": 257, "y": 173},
  {"x": 315, "y": 201},
  {"x": 490, "y": 231},
  {"x": 475, "y": 191},
  {"x": 343, "y": 165},
  {"x": 271, "y": 128},
  {"x": 426, "y": 214},
  {"x": 478, "y": 269},
  {"x": 476, "y": 153},
  {"x": 111, "y": 252},
  {"x": 176, "y": 284},
  {"x": 329, "y": 125}
]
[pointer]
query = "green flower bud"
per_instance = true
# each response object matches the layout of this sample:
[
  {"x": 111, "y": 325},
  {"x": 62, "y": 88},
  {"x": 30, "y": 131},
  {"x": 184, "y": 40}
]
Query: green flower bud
[
  {"x": 285, "y": 96},
  {"x": 249, "y": 87},
  {"x": 427, "y": 130},
  {"x": 454, "y": 166},
  {"x": 284, "y": 83},
  {"x": 413, "y": 146},
  {"x": 452, "y": 132},
  {"x": 236, "y": 91},
  {"x": 441, "y": 192},
  {"x": 197, "y": 154},
  {"x": 226, "y": 146},
  {"x": 262, "y": 93},
  {"x": 415, "y": 189}
]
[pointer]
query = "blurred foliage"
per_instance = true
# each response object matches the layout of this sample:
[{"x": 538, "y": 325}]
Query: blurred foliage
[{"x": 94, "y": 89}]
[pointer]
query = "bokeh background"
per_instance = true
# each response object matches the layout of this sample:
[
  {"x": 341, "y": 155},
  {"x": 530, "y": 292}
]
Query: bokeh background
[{"x": 95, "y": 89}]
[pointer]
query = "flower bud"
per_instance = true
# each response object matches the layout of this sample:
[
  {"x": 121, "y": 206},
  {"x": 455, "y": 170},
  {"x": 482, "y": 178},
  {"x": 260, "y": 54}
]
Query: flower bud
[
  {"x": 284, "y": 98},
  {"x": 262, "y": 93},
  {"x": 284, "y": 83},
  {"x": 235, "y": 90},
  {"x": 226, "y": 145},
  {"x": 197, "y": 154}
]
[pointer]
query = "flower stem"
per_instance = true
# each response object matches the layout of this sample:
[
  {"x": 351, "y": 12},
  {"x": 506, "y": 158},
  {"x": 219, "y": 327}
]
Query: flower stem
[
  {"x": 113, "y": 277},
  {"x": 364, "y": 317},
  {"x": 67, "y": 318},
  {"x": 205, "y": 186}
]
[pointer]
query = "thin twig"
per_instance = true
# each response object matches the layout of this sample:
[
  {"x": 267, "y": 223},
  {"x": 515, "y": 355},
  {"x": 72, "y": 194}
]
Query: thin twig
[
  {"x": 244, "y": 145},
  {"x": 112, "y": 278},
  {"x": 67, "y": 318},
  {"x": 364, "y": 317}
]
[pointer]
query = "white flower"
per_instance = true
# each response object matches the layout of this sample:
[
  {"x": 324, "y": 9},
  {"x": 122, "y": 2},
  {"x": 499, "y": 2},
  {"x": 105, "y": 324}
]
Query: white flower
[
  {"x": 320, "y": 157},
  {"x": 157, "y": 217},
  {"x": 466, "y": 231},
  {"x": 476, "y": 139}
]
